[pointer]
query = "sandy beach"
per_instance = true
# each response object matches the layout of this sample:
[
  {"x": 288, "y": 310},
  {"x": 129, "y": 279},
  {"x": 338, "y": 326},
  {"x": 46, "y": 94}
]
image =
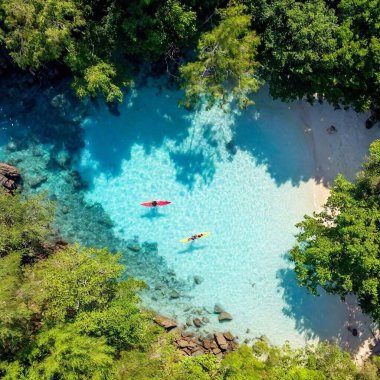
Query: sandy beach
[{"x": 340, "y": 149}]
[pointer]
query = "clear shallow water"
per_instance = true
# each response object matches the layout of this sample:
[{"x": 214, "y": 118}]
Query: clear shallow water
[{"x": 248, "y": 194}]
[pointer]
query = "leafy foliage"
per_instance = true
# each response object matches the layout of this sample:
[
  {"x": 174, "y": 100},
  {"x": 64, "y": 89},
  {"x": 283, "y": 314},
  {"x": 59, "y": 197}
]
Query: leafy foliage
[
  {"x": 298, "y": 42},
  {"x": 64, "y": 354},
  {"x": 24, "y": 225},
  {"x": 310, "y": 47},
  {"x": 226, "y": 61},
  {"x": 338, "y": 249},
  {"x": 39, "y": 31}
]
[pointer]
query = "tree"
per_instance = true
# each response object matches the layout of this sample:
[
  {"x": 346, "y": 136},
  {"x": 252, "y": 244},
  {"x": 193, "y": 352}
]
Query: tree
[
  {"x": 61, "y": 353},
  {"x": 324, "y": 47},
  {"x": 357, "y": 76},
  {"x": 24, "y": 225},
  {"x": 157, "y": 28},
  {"x": 15, "y": 318},
  {"x": 71, "y": 281},
  {"x": 226, "y": 62},
  {"x": 298, "y": 43},
  {"x": 39, "y": 31},
  {"x": 339, "y": 248},
  {"x": 122, "y": 322},
  {"x": 98, "y": 79}
]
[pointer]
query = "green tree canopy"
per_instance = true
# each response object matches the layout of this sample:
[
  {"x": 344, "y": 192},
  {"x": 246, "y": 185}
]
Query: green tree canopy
[
  {"x": 339, "y": 248},
  {"x": 226, "y": 62},
  {"x": 24, "y": 225}
]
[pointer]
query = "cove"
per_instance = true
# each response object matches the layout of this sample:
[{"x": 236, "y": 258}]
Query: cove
[{"x": 247, "y": 177}]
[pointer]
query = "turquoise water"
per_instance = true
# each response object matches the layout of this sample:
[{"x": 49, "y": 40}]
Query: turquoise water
[
  {"x": 248, "y": 194},
  {"x": 246, "y": 177}
]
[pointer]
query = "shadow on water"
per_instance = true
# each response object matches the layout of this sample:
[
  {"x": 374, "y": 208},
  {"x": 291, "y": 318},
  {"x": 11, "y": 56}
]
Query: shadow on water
[
  {"x": 147, "y": 118},
  {"x": 192, "y": 248},
  {"x": 153, "y": 214}
]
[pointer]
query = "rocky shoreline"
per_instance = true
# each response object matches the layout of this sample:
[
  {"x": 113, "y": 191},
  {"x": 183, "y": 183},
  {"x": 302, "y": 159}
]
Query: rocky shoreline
[
  {"x": 10, "y": 177},
  {"x": 190, "y": 344}
]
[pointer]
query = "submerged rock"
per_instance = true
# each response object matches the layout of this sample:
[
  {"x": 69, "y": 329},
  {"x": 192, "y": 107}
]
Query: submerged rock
[
  {"x": 174, "y": 294},
  {"x": 134, "y": 246},
  {"x": 224, "y": 316},
  {"x": 218, "y": 308},
  {"x": 63, "y": 159},
  {"x": 198, "y": 280},
  {"x": 37, "y": 181},
  {"x": 331, "y": 129},
  {"x": 197, "y": 322}
]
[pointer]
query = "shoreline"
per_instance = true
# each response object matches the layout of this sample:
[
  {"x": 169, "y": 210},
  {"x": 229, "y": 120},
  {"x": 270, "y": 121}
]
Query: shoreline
[{"x": 340, "y": 148}]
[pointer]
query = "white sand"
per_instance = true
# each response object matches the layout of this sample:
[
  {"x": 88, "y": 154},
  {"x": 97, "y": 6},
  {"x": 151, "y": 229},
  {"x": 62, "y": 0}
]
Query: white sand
[{"x": 341, "y": 152}]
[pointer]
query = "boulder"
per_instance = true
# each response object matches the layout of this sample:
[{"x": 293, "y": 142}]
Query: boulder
[
  {"x": 165, "y": 322},
  {"x": 9, "y": 177},
  {"x": 221, "y": 340},
  {"x": 9, "y": 171},
  {"x": 7, "y": 183},
  {"x": 37, "y": 181},
  {"x": 197, "y": 322},
  {"x": 224, "y": 316},
  {"x": 182, "y": 343},
  {"x": 174, "y": 294},
  {"x": 228, "y": 335},
  {"x": 198, "y": 280},
  {"x": 134, "y": 246},
  {"x": 218, "y": 308},
  {"x": 207, "y": 344},
  {"x": 331, "y": 129},
  {"x": 198, "y": 352}
]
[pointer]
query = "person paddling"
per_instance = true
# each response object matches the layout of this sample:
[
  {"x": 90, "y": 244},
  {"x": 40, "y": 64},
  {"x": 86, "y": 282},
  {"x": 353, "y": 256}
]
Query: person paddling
[{"x": 154, "y": 203}]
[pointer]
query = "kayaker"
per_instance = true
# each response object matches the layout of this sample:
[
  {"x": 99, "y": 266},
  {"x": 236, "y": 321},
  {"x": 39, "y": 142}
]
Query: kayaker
[{"x": 154, "y": 203}]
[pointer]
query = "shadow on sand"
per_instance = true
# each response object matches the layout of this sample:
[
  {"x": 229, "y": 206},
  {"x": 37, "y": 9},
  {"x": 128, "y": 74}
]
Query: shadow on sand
[{"x": 310, "y": 314}]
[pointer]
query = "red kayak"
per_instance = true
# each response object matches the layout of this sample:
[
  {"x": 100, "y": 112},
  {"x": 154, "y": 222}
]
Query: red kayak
[{"x": 155, "y": 203}]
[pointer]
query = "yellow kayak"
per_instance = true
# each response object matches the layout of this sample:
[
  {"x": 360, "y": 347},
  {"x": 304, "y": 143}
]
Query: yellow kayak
[{"x": 195, "y": 237}]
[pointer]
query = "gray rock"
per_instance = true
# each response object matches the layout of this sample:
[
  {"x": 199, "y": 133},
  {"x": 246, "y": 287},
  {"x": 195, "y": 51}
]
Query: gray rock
[
  {"x": 197, "y": 322},
  {"x": 11, "y": 146},
  {"x": 63, "y": 158},
  {"x": 174, "y": 294},
  {"x": 37, "y": 181},
  {"x": 198, "y": 280},
  {"x": 218, "y": 308},
  {"x": 134, "y": 246},
  {"x": 224, "y": 316},
  {"x": 331, "y": 129}
]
